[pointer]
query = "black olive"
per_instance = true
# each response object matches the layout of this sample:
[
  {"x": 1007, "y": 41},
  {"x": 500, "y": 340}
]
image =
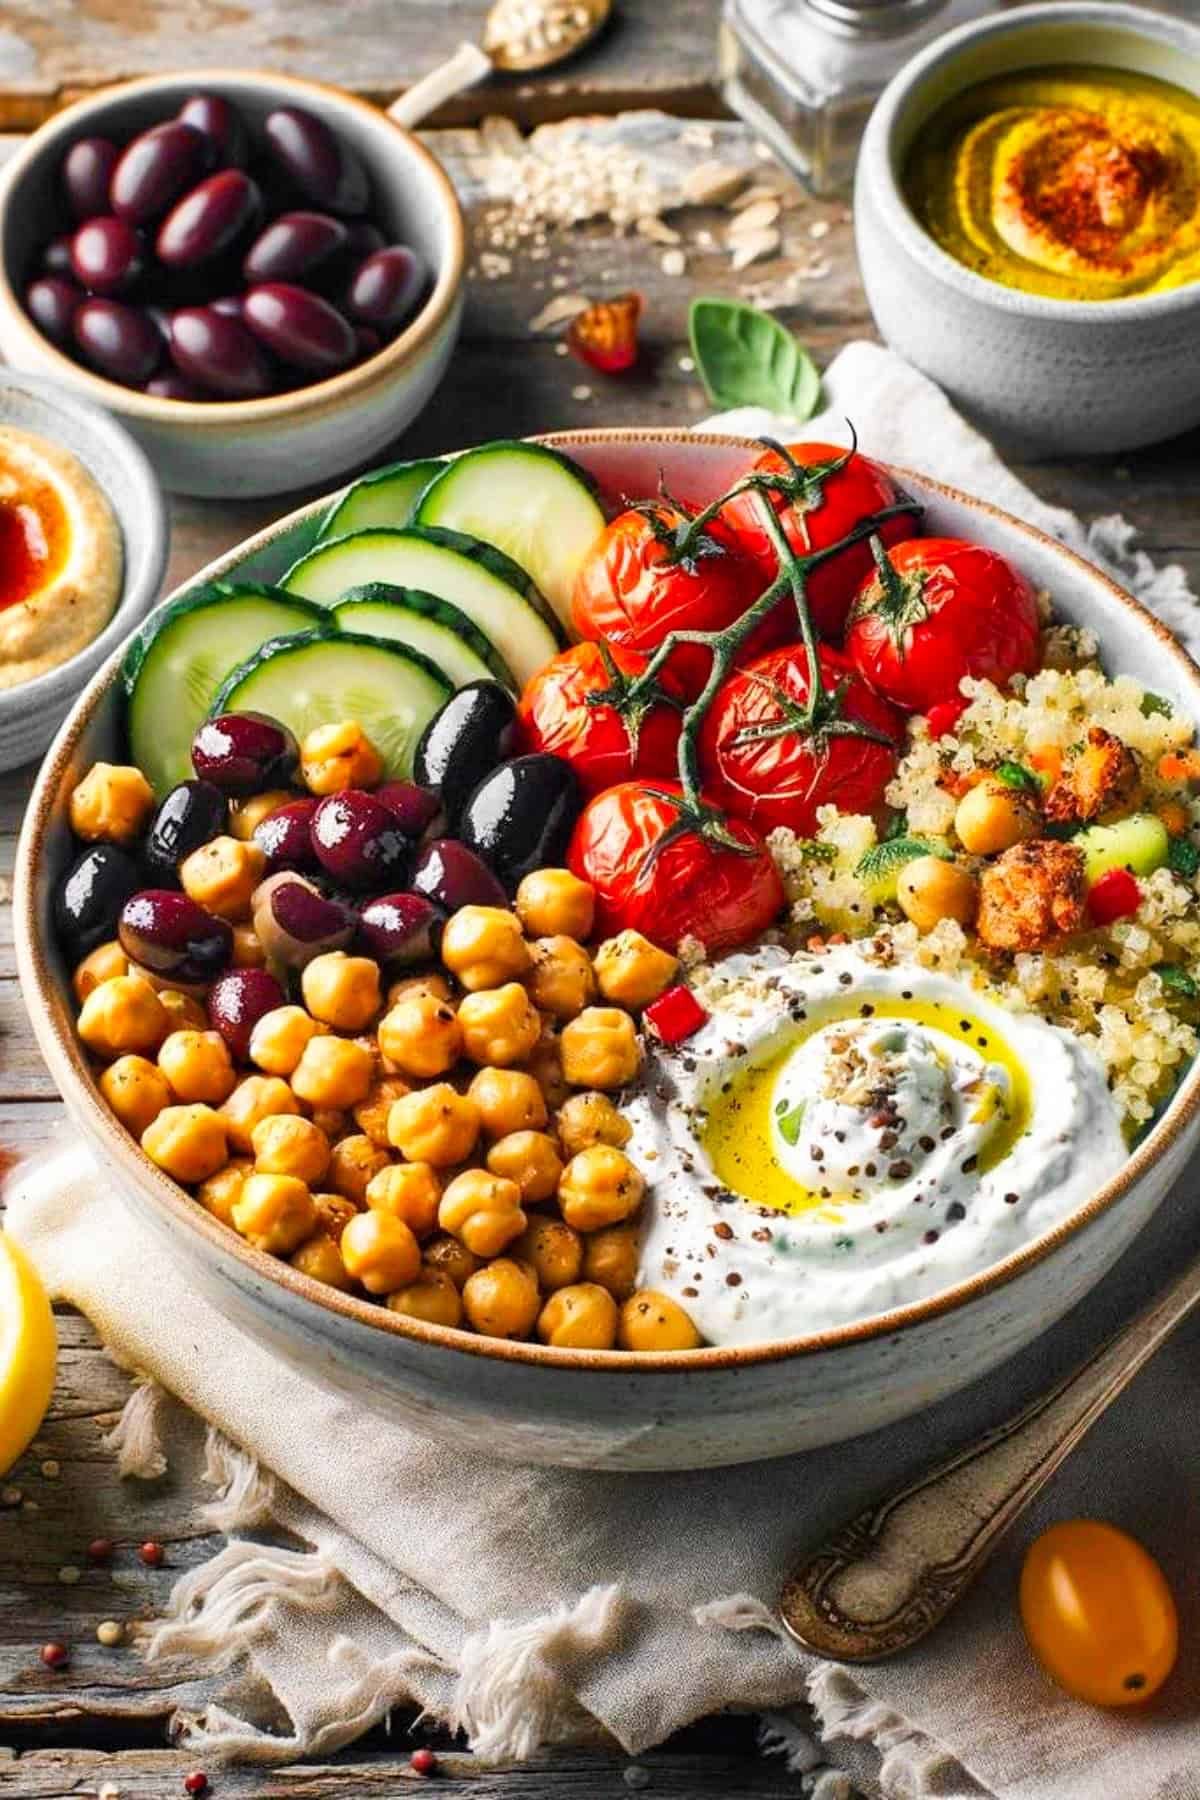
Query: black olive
[
  {"x": 89, "y": 898},
  {"x": 520, "y": 816},
  {"x": 192, "y": 814},
  {"x": 475, "y": 730}
]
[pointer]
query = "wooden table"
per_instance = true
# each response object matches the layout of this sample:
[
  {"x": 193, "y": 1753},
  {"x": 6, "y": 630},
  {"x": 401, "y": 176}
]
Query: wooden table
[{"x": 104, "y": 1719}]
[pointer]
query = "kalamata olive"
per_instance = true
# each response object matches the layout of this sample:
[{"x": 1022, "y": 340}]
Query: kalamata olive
[
  {"x": 208, "y": 219},
  {"x": 192, "y": 814},
  {"x": 51, "y": 301},
  {"x": 119, "y": 340},
  {"x": 174, "y": 937},
  {"x": 171, "y": 386},
  {"x": 301, "y": 328},
  {"x": 325, "y": 170},
  {"x": 414, "y": 808},
  {"x": 89, "y": 898},
  {"x": 520, "y": 816},
  {"x": 294, "y": 922},
  {"x": 107, "y": 255},
  {"x": 452, "y": 876},
  {"x": 285, "y": 836},
  {"x": 156, "y": 167},
  {"x": 473, "y": 731},
  {"x": 86, "y": 172},
  {"x": 222, "y": 123},
  {"x": 294, "y": 247},
  {"x": 245, "y": 753},
  {"x": 237, "y": 1001},
  {"x": 397, "y": 929},
  {"x": 215, "y": 350},
  {"x": 358, "y": 840},
  {"x": 385, "y": 289},
  {"x": 56, "y": 257}
]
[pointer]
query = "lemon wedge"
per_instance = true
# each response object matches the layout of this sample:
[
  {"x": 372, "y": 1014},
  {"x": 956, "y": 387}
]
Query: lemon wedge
[{"x": 28, "y": 1350}]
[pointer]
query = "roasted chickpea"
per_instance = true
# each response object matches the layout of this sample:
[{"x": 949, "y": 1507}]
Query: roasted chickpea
[
  {"x": 222, "y": 876},
  {"x": 136, "y": 1091},
  {"x": 483, "y": 947},
  {"x": 501, "y": 1300},
  {"x": 553, "y": 1251},
  {"x": 586, "y": 1119},
  {"x": 448, "y": 1255},
  {"x": 123, "y": 1014},
  {"x": 245, "y": 816},
  {"x": 409, "y": 1191},
  {"x": 561, "y": 980},
  {"x": 332, "y": 1121},
  {"x": 545, "y": 1063},
  {"x": 420, "y": 1036},
  {"x": 482, "y": 1209},
  {"x": 275, "y": 1213},
  {"x": 187, "y": 1141},
  {"x": 334, "y": 757},
  {"x": 930, "y": 890},
  {"x": 435, "y": 1125},
  {"x": 335, "y": 1212},
  {"x": 111, "y": 804},
  {"x": 278, "y": 1039},
  {"x": 553, "y": 901},
  {"x": 255, "y": 1097},
  {"x": 334, "y": 1071},
  {"x": 531, "y": 1159},
  {"x": 500, "y": 1026},
  {"x": 432, "y": 1297},
  {"x": 198, "y": 1066},
  {"x": 583, "y": 1317},
  {"x": 599, "y": 1186},
  {"x": 631, "y": 971},
  {"x": 433, "y": 983},
  {"x": 220, "y": 1193},
  {"x": 600, "y": 1048},
  {"x": 508, "y": 1100},
  {"x": 286, "y": 1144},
  {"x": 992, "y": 816},
  {"x": 610, "y": 1257},
  {"x": 321, "y": 1258},
  {"x": 341, "y": 991},
  {"x": 105, "y": 961},
  {"x": 652, "y": 1321},
  {"x": 353, "y": 1162},
  {"x": 380, "y": 1252},
  {"x": 184, "y": 1012},
  {"x": 371, "y": 1114},
  {"x": 248, "y": 951}
]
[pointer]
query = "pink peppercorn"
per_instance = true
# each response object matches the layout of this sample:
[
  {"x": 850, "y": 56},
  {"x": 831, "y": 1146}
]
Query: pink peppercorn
[
  {"x": 423, "y": 1762},
  {"x": 196, "y": 1782},
  {"x": 152, "y": 1554},
  {"x": 55, "y": 1656}
]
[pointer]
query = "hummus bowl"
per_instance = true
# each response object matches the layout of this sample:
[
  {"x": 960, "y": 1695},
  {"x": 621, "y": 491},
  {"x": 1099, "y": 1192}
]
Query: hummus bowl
[{"x": 635, "y": 1410}]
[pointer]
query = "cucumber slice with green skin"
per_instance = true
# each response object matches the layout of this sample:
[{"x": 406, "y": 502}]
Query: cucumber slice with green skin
[
  {"x": 386, "y": 497},
  {"x": 435, "y": 627},
  {"x": 497, "y": 596},
  {"x": 528, "y": 500},
  {"x": 318, "y": 677},
  {"x": 1138, "y": 843},
  {"x": 879, "y": 867},
  {"x": 178, "y": 660}
]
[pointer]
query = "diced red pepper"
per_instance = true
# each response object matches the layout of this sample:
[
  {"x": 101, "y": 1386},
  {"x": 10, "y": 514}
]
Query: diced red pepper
[
  {"x": 605, "y": 336},
  {"x": 943, "y": 717},
  {"x": 675, "y": 1015},
  {"x": 1116, "y": 895}
]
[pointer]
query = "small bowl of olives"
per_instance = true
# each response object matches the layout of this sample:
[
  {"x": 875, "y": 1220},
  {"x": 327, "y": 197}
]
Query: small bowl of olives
[{"x": 259, "y": 275}]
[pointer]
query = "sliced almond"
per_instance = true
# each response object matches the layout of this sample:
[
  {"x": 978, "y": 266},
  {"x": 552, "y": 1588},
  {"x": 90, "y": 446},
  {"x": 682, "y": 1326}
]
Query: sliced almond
[
  {"x": 559, "y": 311},
  {"x": 657, "y": 230},
  {"x": 755, "y": 218},
  {"x": 712, "y": 184},
  {"x": 761, "y": 190},
  {"x": 753, "y": 247}
]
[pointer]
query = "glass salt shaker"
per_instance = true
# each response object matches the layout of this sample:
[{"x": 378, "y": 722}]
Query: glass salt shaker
[{"x": 804, "y": 74}]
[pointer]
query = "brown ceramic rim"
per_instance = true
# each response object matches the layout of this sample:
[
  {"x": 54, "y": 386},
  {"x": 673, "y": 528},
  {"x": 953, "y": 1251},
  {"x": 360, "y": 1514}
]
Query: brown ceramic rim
[
  {"x": 319, "y": 396},
  {"x": 53, "y": 1026}
]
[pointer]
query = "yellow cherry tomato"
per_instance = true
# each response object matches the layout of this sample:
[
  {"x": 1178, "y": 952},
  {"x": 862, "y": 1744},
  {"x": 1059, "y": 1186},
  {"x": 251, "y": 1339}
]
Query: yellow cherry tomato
[
  {"x": 28, "y": 1349},
  {"x": 1098, "y": 1613}
]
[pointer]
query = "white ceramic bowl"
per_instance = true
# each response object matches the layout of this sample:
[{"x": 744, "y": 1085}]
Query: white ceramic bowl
[
  {"x": 285, "y": 440},
  {"x": 32, "y": 713},
  {"x": 1067, "y": 375},
  {"x": 607, "y": 1409}
]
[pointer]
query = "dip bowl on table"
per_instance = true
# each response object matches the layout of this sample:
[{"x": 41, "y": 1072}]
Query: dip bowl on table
[{"x": 612, "y": 1409}]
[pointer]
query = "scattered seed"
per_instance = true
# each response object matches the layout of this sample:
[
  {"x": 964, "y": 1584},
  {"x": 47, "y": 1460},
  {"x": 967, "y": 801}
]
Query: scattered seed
[
  {"x": 561, "y": 350},
  {"x": 100, "y": 1550},
  {"x": 51, "y": 1469},
  {"x": 423, "y": 1762},
  {"x": 11, "y": 1496},
  {"x": 110, "y": 1633},
  {"x": 674, "y": 262},
  {"x": 69, "y": 1574},
  {"x": 152, "y": 1554},
  {"x": 108, "y": 1790},
  {"x": 55, "y": 1656},
  {"x": 635, "y": 1776},
  {"x": 687, "y": 364},
  {"x": 819, "y": 228},
  {"x": 582, "y": 392}
]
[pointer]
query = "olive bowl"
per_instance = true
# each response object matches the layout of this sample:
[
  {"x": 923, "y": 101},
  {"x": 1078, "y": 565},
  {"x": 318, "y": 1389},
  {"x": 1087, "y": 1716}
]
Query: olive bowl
[{"x": 611, "y": 1409}]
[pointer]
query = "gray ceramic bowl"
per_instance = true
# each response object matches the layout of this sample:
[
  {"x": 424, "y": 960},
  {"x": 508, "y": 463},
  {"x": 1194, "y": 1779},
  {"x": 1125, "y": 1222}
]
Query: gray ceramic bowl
[
  {"x": 1066, "y": 375},
  {"x": 603, "y": 1408},
  {"x": 32, "y": 713},
  {"x": 285, "y": 440}
]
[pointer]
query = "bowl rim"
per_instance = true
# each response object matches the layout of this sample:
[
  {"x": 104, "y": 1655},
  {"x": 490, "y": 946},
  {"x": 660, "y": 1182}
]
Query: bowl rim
[
  {"x": 318, "y": 396},
  {"x": 47, "y": 1006},
  {"x": 877, "y": 162}
]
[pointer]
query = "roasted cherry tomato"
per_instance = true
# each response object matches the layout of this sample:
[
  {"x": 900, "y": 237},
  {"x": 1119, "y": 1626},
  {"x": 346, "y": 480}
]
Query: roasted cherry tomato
[
  {"x": 943, "y": 717},
  {"x": 936, "y": 609},
  {"x": 1098, "y": 1613},
  {"x": 634, "y": 588},
  {"x": 838, "y": 494},
  {"x": 658, "y": 873},
  {"x": 605, "y": 336},
  {"x": 764, "y": 762},
  {"x": 604, "y": 741}
]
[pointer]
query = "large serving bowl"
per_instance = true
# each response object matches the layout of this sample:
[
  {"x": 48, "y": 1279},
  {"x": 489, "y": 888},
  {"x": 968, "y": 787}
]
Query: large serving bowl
[{"x": 609, "y": 1409}]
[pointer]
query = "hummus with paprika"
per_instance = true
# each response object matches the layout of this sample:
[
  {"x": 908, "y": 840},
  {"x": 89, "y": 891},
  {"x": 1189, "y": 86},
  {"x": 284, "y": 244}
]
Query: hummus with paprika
[{"x": 1079, "y": 183}]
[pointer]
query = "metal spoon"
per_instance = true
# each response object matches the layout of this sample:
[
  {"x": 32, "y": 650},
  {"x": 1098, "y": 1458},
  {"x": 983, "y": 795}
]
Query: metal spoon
[
  {"x": 888, "y": 1576},
  {"x": 518, "y": 35}
]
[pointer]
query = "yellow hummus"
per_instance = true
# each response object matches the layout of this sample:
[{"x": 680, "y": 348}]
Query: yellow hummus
[
  {"x": 1082, "y": 183},
  {"x": 61, "y": 558}
]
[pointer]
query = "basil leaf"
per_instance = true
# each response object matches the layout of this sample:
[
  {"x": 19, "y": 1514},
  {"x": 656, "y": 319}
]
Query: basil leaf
[
  {"x": 747, "y": 358},
  {"x": 1183, "y": 857},
  {"x": 1177, "y": 981},
  {"x": 1154, "y": 703},
  {"x": 1015, "y": 775}
]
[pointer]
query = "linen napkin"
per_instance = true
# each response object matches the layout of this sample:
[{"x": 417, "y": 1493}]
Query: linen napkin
[{"x": 533, "y": 1606}]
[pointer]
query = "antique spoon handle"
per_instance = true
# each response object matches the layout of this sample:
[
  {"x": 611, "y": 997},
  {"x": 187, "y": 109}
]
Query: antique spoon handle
[{"x": 892, "y": 1573}]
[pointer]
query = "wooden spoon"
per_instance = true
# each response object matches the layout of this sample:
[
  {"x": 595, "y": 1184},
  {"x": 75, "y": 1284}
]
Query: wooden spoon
[{"x": 518, "y": 35}]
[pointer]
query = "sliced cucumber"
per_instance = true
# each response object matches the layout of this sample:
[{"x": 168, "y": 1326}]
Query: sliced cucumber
[
  {"x": 435, "y": 627},
  {"x": 879, "y": 867},
  {"x": 385, "y": 497},
  {"x": 317, "y": 677},
  {"x": 180, "y": 657},
  {"x": 526, "y": 499},
  {"x": 1138, "y": 843},
  {"x": 481, "y": 581}
]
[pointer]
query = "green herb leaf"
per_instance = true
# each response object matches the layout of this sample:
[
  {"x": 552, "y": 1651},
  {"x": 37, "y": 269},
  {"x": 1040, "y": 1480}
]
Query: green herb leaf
[
  {"x": 813, "y": 850},
  {"x": 1177, "y": 981},
  {"x": 897, "y": 827},
  {"x": 1016, "y": 775},
  {"x": 747, "y": 358},
  {"x": 1154, "y": 703},
  {"x": 1183, "y": 857},
  {"x": 790, "y": 1123}
]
